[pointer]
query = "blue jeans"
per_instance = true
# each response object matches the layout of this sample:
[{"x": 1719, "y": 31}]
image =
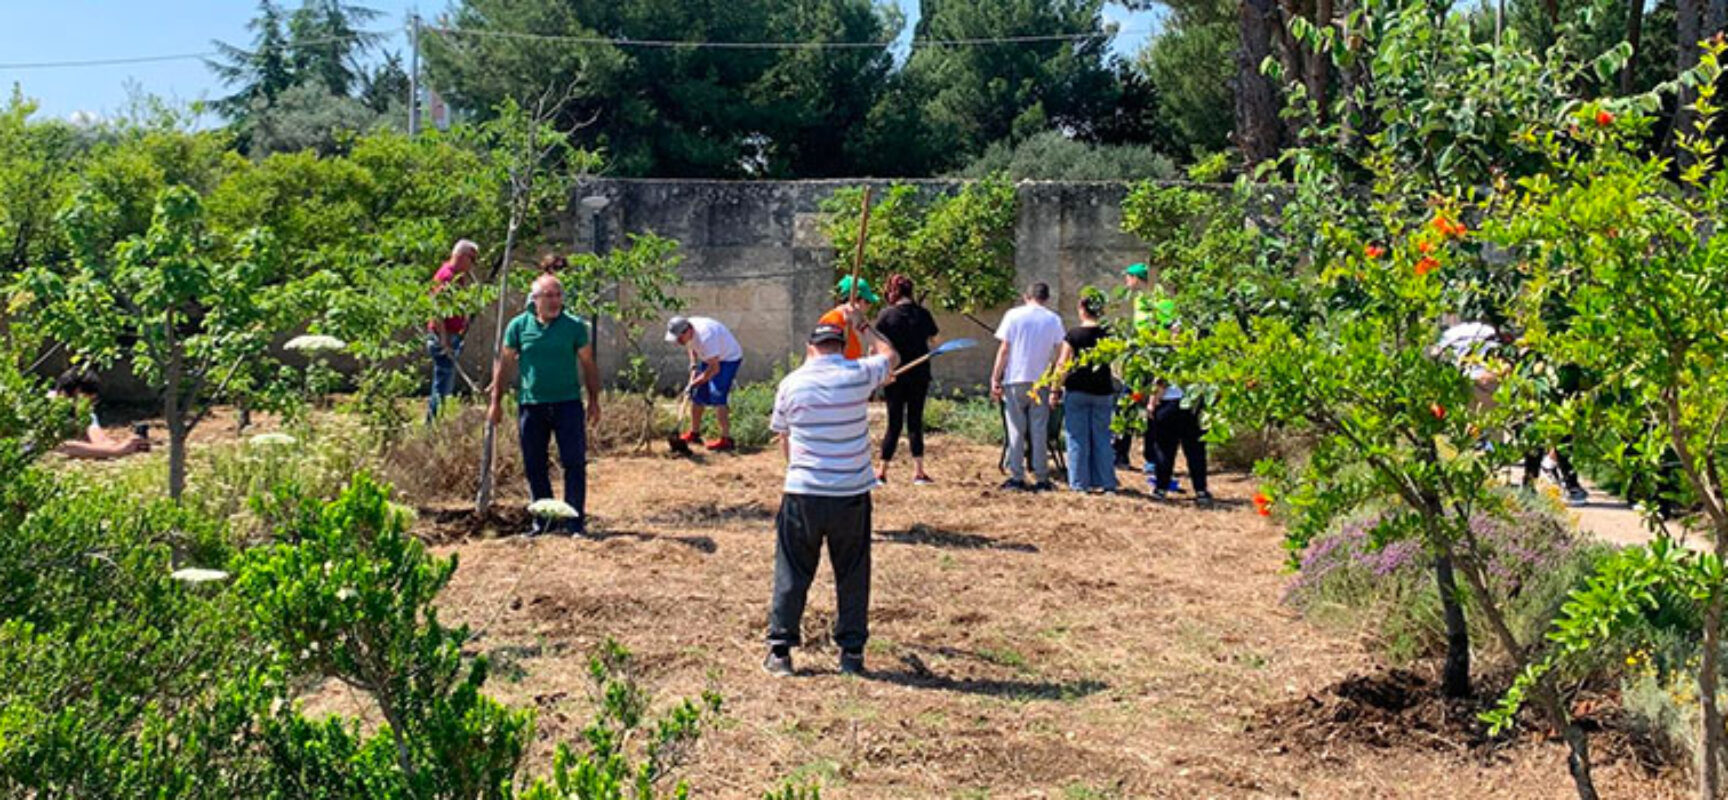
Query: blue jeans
[
  {"x": 443, "y": 370},
  {"x": 1086, "y": 420},
  {"x": 537, "y": 425}
]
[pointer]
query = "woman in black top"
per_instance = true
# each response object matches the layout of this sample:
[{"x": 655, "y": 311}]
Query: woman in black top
[
  {"x": 1088, "y": 398},
  {"x": 910, "y": 328}
]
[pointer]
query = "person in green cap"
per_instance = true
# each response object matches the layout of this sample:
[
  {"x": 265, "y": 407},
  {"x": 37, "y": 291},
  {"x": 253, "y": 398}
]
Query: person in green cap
[
  {"x": 837, "y": 316},
  {"x": 1151, "y": 305},
  {"x": 1152, "y": 308}
]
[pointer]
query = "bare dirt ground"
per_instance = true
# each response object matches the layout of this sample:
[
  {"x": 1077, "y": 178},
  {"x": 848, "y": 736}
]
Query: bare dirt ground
[{"x": 1044, "y": 645}]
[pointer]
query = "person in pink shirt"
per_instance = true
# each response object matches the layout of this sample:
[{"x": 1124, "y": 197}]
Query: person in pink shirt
[{"x": 444, "y": 334}]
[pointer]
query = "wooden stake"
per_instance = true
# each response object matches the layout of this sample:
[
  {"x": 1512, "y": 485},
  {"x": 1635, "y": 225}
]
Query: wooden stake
[{"x": 858, "y": 255}]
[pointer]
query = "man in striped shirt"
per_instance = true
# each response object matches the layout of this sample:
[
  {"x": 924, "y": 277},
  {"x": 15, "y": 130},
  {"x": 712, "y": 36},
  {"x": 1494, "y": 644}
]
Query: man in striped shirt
[{"x": 821, "y": 419}]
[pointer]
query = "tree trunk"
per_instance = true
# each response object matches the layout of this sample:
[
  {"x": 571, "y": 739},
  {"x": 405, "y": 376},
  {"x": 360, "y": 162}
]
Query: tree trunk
[
  {"x": 1634, "y": 37},
  {"x": 1688, "y": 15},
  {"x": 1715, "y": 16},
  {"x": 173, "y": 375},
  {"x": 1258, "y": 134},
  {"x": 483, "y": 498},
  {"x": 1709, "y": 767},
  {"x": 1289, "y": 53},
  {"x": 1544, "y": 694},
  {"x": 1455, "y": 679},
  {"x": 1552, "y": 9},
  {"x": 1349, "y": 79},
  {"x": 1319, "y": 64}
]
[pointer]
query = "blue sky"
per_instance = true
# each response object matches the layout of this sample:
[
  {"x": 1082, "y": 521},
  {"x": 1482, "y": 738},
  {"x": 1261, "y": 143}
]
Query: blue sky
[{"x": 73, "y": 30}]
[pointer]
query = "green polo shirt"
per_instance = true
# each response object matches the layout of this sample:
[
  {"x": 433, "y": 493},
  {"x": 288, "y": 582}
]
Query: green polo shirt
[{"x": 547, "y": 367}]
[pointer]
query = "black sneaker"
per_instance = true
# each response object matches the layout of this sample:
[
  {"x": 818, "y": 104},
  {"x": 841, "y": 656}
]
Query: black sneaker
[
  {"x": 1014, "y": 485},
  {"x": 778, "y": 664},
  {"x": 1043, "y": 486},
  {"x": 1203, "y": 497},
  {"x": 1160, "y": 495},
  {"x": 851, "y": 662}
]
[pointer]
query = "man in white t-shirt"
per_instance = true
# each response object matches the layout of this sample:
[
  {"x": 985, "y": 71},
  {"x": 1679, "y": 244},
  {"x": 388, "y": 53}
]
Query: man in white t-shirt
[
  {"x": 714, "y": 360},
  {"x": 1030, "y": 336}
]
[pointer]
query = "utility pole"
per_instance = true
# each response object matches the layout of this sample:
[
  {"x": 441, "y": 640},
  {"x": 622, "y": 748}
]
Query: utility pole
[{"x": 413, "y": 73}]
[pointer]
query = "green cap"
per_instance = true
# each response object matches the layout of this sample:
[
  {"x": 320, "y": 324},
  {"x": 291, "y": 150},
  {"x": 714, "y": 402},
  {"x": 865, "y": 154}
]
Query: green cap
[
  {"x": 1138, "y": 271},
  {"x": 844, "y": 289}
]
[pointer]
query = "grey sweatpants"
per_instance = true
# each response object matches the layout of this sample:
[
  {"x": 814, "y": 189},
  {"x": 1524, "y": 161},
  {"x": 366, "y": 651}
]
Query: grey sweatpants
[{"x": 1028, "y": 418}]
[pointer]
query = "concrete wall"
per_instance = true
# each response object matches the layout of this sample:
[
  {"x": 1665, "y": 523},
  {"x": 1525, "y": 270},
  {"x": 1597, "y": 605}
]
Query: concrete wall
[{"x": 755, "y": 259}]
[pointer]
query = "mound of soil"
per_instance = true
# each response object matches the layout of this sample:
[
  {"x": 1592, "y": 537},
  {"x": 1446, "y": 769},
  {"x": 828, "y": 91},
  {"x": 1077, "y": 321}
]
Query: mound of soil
[
  {"x": 1401, "y": 710},
  {"x": 1393, "y": 709},
  {"x": 444, "y": 525}
]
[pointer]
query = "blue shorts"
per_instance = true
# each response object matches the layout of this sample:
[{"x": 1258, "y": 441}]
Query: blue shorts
[{"x": 719, "y": 387}]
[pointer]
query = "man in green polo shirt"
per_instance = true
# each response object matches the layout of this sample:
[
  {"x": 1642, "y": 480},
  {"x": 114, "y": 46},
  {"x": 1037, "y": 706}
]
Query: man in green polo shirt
[{"x": 557, "y": 360}]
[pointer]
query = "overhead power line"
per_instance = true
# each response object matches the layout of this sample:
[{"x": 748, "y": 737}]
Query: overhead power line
[
  {"x": 609, "y": 40},
  {"x": 108, "y": 62},
  {"x": 872, "y": 45}
]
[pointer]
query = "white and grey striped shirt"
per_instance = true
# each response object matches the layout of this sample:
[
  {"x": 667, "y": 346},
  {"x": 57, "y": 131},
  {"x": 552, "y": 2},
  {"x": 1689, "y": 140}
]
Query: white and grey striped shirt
[{"x": 821, "y": 408}]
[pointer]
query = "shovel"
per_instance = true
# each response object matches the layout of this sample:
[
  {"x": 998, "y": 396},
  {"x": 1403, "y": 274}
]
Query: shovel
[
  {"x": 941, "y": 349},
  {"x": 675, "y": 441}
]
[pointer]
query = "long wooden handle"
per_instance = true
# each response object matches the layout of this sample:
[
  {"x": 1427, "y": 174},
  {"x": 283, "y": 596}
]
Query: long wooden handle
[
  {"x": 913, "y": 363},
  {"x": 858, "y": 254}
]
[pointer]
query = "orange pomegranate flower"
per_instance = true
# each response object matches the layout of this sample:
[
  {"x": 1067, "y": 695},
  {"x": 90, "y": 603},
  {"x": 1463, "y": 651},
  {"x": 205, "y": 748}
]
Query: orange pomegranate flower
[
  {"x": 1426, "y": 265},
  {"x": 1425, "y": 247},
  {"x": 1262, "y": 504},
  {"x": 1439, "y": 411},
  {"x": 1374, "y": 251},
  {"x": 1604, "y": 119}
]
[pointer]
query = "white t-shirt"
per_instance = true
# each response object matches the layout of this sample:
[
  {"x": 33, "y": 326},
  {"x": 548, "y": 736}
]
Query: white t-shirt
[
  {"x": 1469, "y": 344},
  {"x": 713, "y": 340},
  {"x": 1033, "y": 333}
]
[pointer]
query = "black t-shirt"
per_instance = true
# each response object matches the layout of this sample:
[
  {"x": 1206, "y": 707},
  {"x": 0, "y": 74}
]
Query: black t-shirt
[
  {"x": 909, "y": 327},
  {"x": 1094, "y": 379}
]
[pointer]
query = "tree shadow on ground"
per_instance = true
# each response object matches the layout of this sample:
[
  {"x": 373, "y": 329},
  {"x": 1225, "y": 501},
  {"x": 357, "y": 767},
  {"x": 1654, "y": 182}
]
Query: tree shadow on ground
[
  {"x": 936, "y": 537},
  {"x": 705, "y": 515},
  {"x": 1185, "y": 499},
  {"x": 919, "y": 677},
  {"x": 702, "y": 544}
]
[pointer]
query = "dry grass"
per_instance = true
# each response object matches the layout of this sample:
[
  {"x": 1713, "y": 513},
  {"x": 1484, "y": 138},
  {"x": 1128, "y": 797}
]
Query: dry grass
[{"x": 1022, "y": 646}]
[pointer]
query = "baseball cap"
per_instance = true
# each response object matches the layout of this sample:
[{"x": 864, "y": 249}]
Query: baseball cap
[
  {"x": 827, "y": 333},
  {"x": 1138, "y": 271},
  {"x": 675, "y": 327},
  {"x": 844, "y": 289}
]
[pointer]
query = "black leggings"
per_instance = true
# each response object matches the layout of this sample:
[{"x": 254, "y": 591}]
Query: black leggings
[{"x": 905, "y": 407}]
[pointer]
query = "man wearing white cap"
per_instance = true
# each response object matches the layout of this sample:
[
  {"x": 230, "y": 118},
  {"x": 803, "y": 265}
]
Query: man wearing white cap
[{"x": 714, "y": 360}]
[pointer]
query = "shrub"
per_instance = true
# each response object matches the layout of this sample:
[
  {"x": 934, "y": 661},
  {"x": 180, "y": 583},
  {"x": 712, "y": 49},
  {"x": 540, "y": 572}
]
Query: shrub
[
  {"x": 621, "y": 726},
  {"x": 1353, "y": 576},
  {"x": 752, "y": 409},
  {"x": 958, "y": 248},
  {"x": 441, "y": 461},
  {"x": 975, "y": 419},
  {"x": 116, "y": 679}
]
